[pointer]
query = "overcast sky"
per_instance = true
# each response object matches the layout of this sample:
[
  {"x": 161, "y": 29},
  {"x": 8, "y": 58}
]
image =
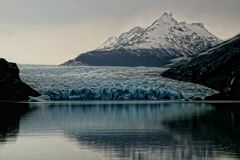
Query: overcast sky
[{"x": 53, "y": 31}]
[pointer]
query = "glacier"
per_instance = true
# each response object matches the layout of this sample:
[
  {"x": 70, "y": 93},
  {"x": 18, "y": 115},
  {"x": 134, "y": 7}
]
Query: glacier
[{"x": 108, "y": 83}]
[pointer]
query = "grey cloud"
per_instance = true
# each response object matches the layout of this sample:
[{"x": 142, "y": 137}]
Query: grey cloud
[
  {"x": 81, "y": 25},
  {"x": 82, "y": 11}
]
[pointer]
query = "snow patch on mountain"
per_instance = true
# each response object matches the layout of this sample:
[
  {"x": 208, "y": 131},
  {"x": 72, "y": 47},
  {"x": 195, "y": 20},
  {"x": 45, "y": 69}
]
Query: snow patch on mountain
[{"x": 124, "y": 39}]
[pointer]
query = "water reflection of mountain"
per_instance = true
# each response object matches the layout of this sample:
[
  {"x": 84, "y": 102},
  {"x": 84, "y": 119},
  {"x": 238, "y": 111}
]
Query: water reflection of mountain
[
  {"x": 220, "y": 127},
  {"x": 144, "y": 131},
  {"x": 10, "y": 115},
  {"x": 85, "y": 118},
  {"x": 135, "y": 131}
]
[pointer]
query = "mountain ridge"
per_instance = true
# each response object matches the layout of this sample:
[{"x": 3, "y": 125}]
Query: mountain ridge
[
  {"x": 217, "y": 68},
  {"x": 164, "y": 39}
]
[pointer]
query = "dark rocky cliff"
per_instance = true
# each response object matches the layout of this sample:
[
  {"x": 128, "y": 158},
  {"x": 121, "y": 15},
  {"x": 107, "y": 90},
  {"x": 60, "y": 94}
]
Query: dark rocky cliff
[
  {"x": 217, "y": 68},
  {"x": 231, "y": 90},
  {"x": 11, "y": 86}
]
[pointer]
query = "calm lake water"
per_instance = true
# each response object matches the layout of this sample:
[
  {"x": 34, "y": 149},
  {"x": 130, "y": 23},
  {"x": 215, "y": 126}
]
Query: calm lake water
[{"x": 119, "y": 131}]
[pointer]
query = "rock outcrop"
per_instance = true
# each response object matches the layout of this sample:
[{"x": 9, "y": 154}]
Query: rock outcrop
[
  {"x": 231, "y": 90},
  {"x": 217, "y": 68},
  {"x": 11, "y": 86}
]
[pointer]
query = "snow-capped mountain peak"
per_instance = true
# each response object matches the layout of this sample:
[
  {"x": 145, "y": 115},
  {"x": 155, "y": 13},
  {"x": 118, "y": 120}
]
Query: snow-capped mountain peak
[
  {"x": 165, "y": 33},
  {"x": 166, "y": 18},
  {"x": 164, "y": 39}
]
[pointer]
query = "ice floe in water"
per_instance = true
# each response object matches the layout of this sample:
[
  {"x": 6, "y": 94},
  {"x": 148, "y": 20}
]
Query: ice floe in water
[{"x": 108, "y": 83}]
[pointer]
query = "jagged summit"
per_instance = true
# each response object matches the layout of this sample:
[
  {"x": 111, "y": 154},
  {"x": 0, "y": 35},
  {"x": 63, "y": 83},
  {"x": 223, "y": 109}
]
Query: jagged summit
[
  {"x": 167, "y": 33},
  {"x": 166, "y": 18},
  {"x": 164, "y": 39}
]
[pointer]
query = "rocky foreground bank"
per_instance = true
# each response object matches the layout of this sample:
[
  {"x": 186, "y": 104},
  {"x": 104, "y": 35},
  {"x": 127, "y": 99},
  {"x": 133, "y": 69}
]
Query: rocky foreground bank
[
  {"x": 217, "y": 68},
  {"x": 11, "y": 86}
]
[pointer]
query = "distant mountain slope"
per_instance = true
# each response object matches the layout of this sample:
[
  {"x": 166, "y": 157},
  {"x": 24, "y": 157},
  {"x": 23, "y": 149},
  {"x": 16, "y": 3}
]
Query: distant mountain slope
[
  {"x": 217, "y": 68},
  {"x": 154, "y": 46}
]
